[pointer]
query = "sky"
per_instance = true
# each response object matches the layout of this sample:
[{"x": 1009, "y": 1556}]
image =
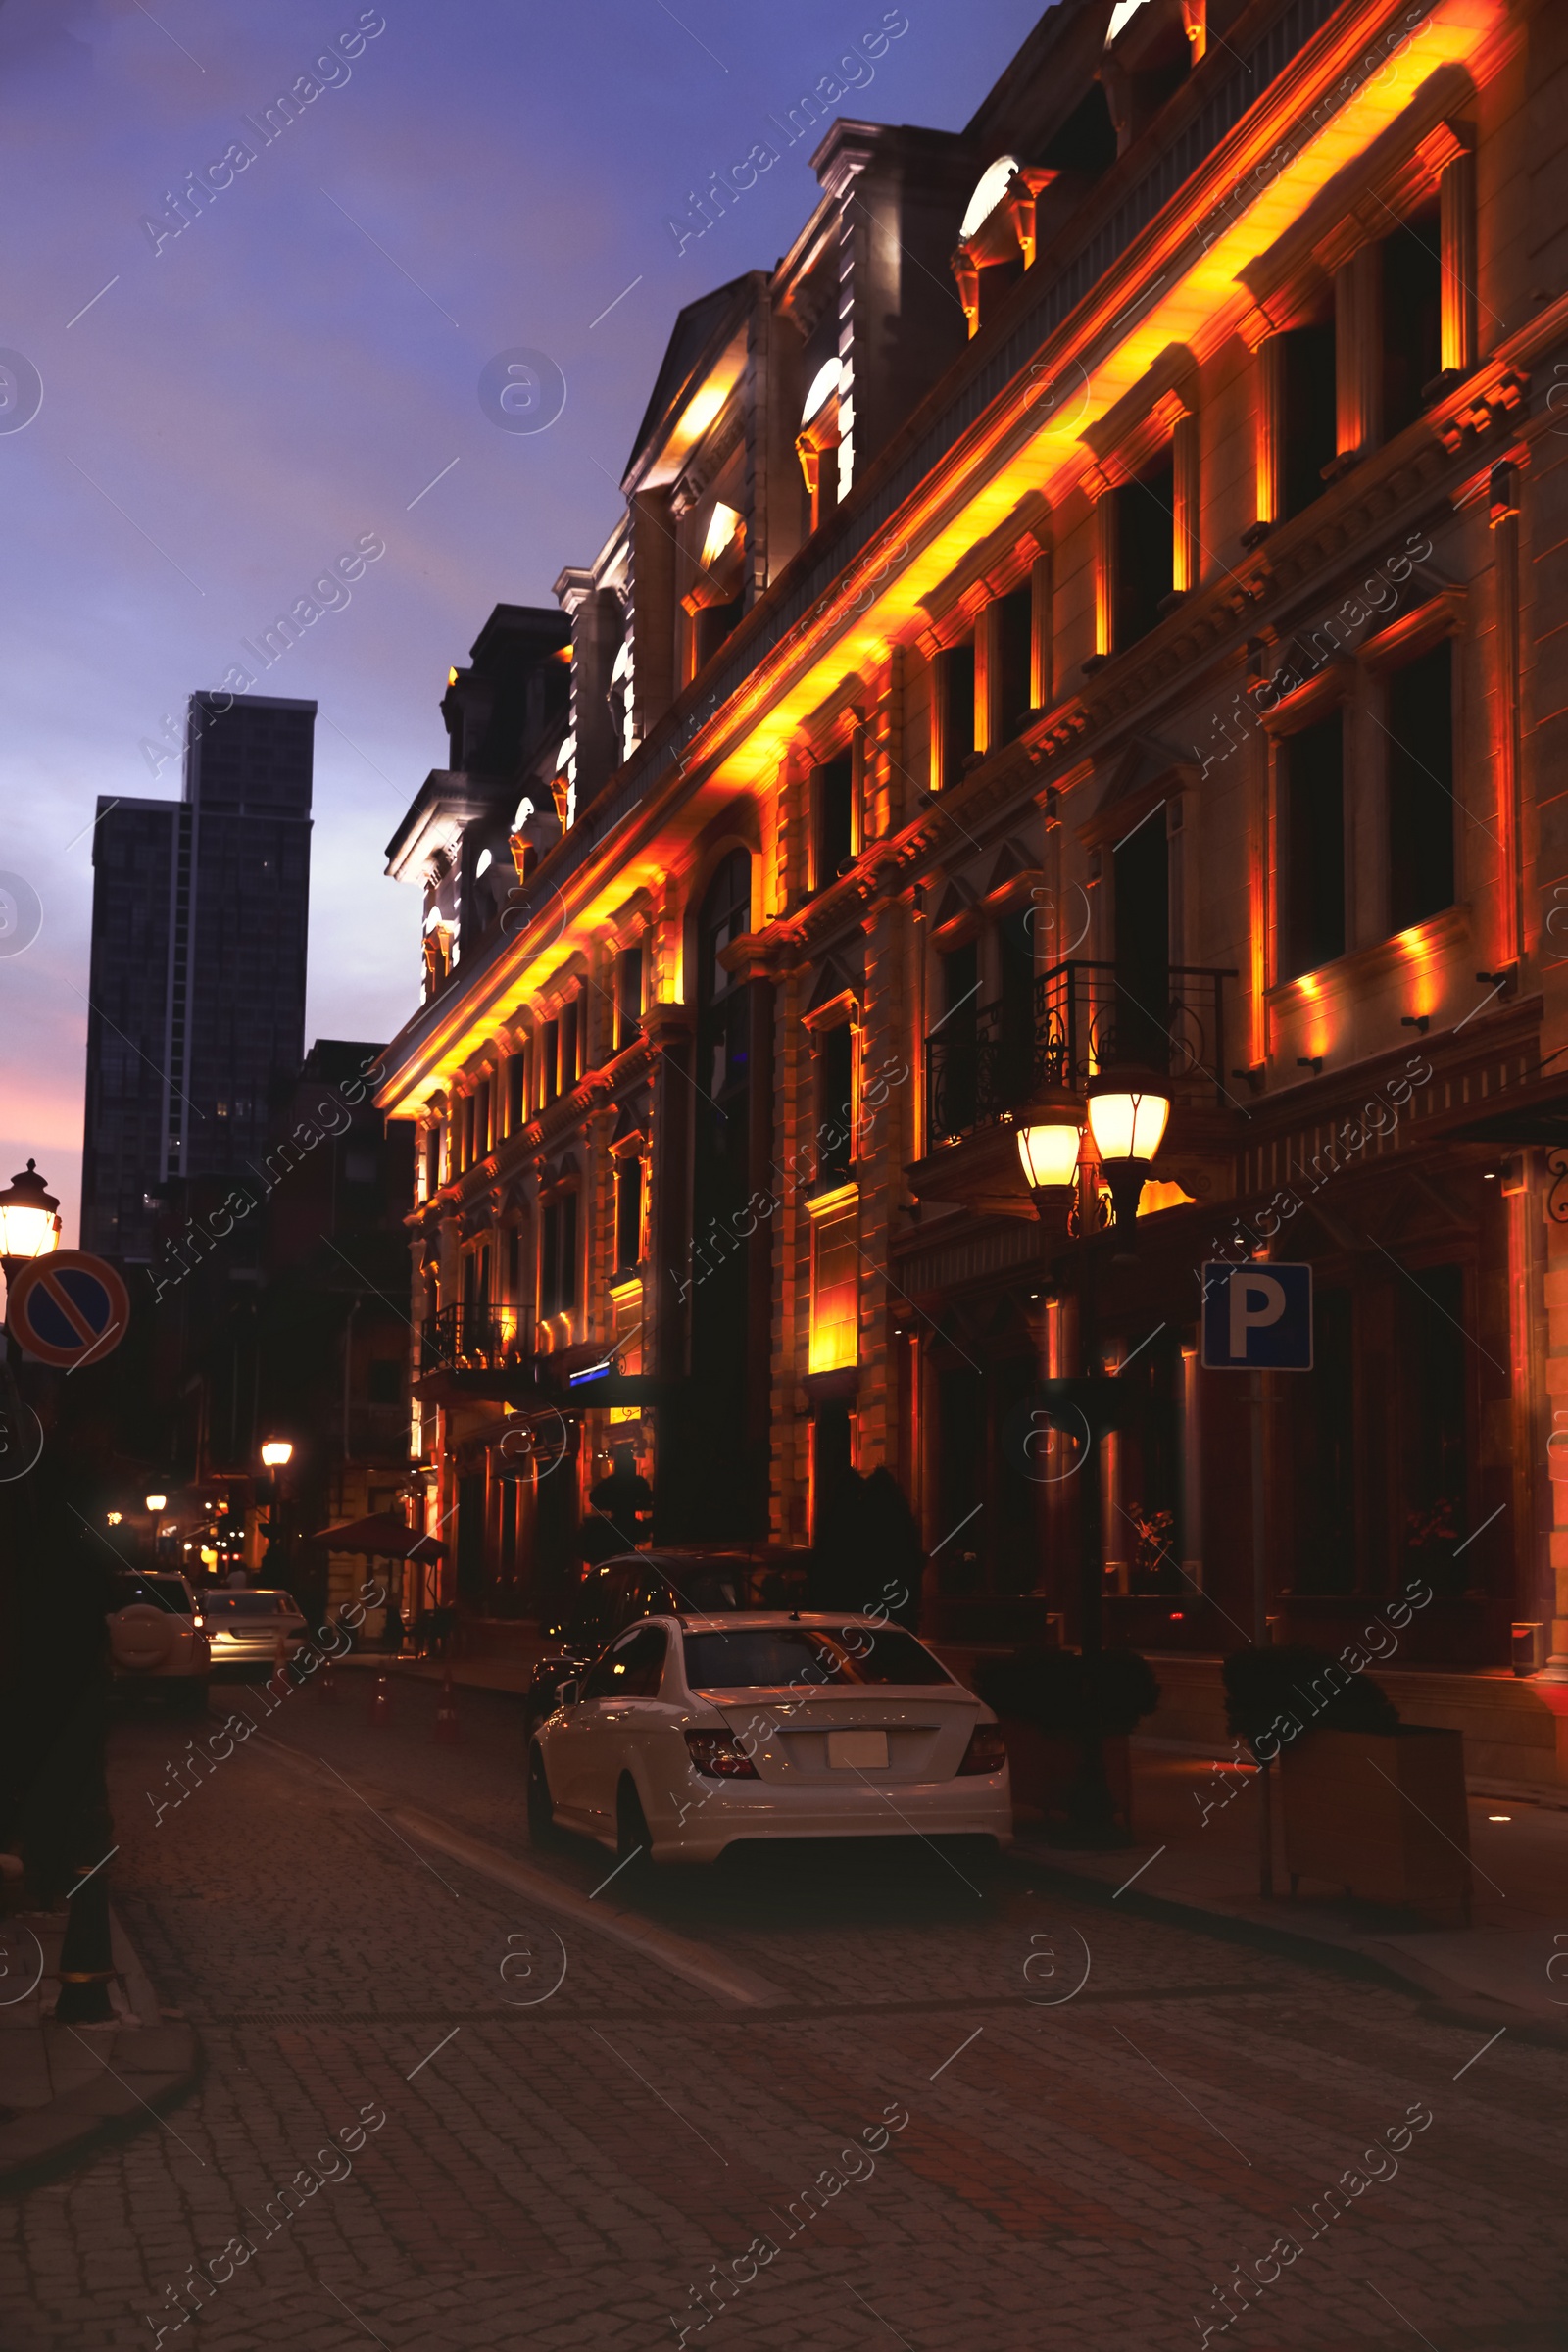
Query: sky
[{"x": 194, "y": 425}]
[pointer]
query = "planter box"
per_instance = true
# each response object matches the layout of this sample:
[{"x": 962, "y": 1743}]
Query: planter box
[
  {"x": 1467, "y": 1632},
  {"x": 1044, "y": 1766},
  {"x": 1381, "y": 1814}
]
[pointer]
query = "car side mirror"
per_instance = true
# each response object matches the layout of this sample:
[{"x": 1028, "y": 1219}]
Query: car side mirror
[{"x": 568, "y": 1694}]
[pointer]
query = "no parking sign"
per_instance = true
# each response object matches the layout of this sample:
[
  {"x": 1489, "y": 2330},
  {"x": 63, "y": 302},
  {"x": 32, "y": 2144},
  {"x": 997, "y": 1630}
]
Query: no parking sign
[{"x": 67, "y": 1309}]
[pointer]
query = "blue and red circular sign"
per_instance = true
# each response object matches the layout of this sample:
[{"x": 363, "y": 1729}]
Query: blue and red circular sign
[{"x": 68, "y": 1309}]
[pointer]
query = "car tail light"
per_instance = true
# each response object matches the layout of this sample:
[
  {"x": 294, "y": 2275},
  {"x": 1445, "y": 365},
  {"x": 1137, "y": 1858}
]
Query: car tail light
[
  {"x": 986, "y": 1751},
  {"x": 720, "y": 1755}
]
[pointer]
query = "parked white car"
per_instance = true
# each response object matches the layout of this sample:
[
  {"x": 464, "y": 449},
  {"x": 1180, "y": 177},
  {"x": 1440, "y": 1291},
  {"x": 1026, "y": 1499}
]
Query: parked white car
[{"x": 693, "y": 1734}]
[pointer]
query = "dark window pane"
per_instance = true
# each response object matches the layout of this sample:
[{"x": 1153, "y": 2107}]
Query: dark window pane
[
  {"x": 1309, "y": 413},
  {"x": 628, "y": 997},
  {"x": 569, "y": 1251},
  {"x": 1145, "y": 551},
  {"x": 1015, "y": 657},
  {"x": 958, "y": 711},
  {"x": 628, "y": 1210},
  {"x": 1420, "y": 726},
  {"x": 835, "y": 1068},
  {"x": 1314, "y": 827},
  {"x": 834, "y": 798},
  {"x": 1141, "y": 867},
  {"x": 1412, "y": 318}
]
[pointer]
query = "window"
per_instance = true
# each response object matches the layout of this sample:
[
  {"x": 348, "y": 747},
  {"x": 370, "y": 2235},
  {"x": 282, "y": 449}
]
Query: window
[
  {"x": 550, "y": 1063},
  {"x": 1420, "y": 802},
  {"x": 628, "y": 1210},
  {"x": 1314, "y": 843},
  {"x": 835, "y": 1289},
  {"x": 1309, "y": 415},
  {"x": 1412, "y": 318},
  {"x": 570, "y": 1045},
  {"x": 517, "y": 1066},
  {"x": 833, "y": 817},
  {"x": 958, "y": 710},
  {"x": 1015, "y": 643},
  {"x": 954, "y": 1051},
  {"x": 633, "y": 1669},
  {"x": 773, "y": 1657},
  {"x": 558, "y": 1251},
  {"x": 835, "y": 1101},
  {"x": 1146, "y": 550},
  {"x": 1141, "y": 867},
  {"x": 628, "y": 998}
]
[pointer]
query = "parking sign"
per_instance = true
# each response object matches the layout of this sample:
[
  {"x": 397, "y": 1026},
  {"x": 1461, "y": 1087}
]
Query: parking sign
[{"x": 1257, "y": 1318}]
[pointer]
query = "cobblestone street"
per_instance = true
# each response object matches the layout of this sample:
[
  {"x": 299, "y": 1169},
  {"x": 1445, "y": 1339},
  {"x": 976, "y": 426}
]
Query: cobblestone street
[{"x": 597, "y": 2147}]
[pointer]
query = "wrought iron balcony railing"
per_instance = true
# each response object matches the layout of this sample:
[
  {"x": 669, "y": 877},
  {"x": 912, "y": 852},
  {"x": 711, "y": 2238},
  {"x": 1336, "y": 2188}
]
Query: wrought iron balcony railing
[
  {"x": 470, "y": 1338},
  {"x": 1086, "y": 1017}
]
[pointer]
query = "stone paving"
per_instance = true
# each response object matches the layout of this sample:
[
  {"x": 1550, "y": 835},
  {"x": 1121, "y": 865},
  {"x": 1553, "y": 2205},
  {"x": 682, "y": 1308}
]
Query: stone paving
[{"x": 386, "y": 2146}]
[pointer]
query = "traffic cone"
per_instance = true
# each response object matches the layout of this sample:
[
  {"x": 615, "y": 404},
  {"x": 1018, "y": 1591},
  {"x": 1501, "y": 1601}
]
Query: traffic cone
[
  {"x": 382, "y": 1701},
  {"x": 446, "y": 1714}
]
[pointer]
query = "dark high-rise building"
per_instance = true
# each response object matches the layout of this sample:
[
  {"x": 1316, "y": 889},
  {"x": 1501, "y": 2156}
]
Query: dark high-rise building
[{"x": 197, "y": 999}]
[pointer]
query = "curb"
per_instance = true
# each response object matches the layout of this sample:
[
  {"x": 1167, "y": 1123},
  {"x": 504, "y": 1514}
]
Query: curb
[
  {"x": 146, "y": 2071},
  {"x": 1357, "y": 1957}
]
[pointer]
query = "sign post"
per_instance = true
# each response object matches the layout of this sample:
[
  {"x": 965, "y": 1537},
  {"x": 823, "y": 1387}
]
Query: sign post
[
  {"x": 68, "y": 1309},
  {"x": 1257, "y": 1318}
]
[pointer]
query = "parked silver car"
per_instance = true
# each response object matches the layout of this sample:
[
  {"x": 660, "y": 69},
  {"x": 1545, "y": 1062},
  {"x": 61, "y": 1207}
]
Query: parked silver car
[{"x": 263, "y": 1629}]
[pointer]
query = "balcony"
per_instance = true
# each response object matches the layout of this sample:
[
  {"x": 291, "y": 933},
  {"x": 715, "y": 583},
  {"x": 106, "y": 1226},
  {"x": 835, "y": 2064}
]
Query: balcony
[
  {"x": 1085, "y": 1018},
  {"x": 472, "y": 1339}
]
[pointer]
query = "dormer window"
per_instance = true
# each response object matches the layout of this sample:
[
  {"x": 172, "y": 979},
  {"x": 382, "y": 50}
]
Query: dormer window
[
  {"x": 998, "y": 232},
  {"x": 716, "y": 596},
  {"x": 817, "y": 443}
]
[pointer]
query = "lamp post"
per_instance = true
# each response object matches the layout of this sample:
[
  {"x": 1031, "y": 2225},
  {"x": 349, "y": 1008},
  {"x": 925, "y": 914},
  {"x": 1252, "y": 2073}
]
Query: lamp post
[
  {"x": 276, "y": 1454},
  {"x": 1124, "y": 1113},
  {"x": 30, "y": 1219}
]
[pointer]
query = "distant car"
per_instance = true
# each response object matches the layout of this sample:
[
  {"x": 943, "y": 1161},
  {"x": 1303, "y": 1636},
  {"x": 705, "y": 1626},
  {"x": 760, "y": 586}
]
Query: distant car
[
  {"x": 616, "y": 1593},
  {"x": 157, "y": 1643},
  {"x": 696, "y": 1733},
  {"x": 245, "y": 1628}
]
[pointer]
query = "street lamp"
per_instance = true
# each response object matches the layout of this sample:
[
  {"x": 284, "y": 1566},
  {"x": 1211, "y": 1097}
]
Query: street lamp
[
  {"x": 276, "y": 1453},
  {"x": 29, "y": 1218},
  {"x": 156, "y": 1502},
  {"x": 1124, "y": 1115}
]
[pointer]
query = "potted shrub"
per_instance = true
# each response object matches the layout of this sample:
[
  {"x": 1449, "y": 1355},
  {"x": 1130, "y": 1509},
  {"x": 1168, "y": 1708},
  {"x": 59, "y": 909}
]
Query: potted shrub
[
  {"x": 1371, "y": 1804},
  {"x": 1048, "y": 1703}
]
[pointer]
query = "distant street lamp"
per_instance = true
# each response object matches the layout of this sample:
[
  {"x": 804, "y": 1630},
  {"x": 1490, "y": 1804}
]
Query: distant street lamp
[
  {"x": 277, "y": 1453},
  {"x": 1124, "y": 1112},
  {"x": 30, "y": 1219},
  {"x": 156, "y": 1502}
]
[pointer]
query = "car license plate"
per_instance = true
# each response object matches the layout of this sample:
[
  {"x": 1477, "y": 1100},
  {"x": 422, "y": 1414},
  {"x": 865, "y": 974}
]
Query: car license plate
[{"x": 858, "y": 1751}]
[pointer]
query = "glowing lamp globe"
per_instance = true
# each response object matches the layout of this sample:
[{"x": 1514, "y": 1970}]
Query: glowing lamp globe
[
  {"x": 156, "y": 1502},
  {"x": 1049, "y": 1149},
  {"x": 276, "y": 1451},
  {"x": 1127, "y": 1120},
  {"x": 30, "y": 1216}
]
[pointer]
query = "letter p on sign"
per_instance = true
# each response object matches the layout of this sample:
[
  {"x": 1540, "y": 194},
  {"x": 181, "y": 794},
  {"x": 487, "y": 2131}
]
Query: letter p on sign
[{"x": 1257, "y": 1318}]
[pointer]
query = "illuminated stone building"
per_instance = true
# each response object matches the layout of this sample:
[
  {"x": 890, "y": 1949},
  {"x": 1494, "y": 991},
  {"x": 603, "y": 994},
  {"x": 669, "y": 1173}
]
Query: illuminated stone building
[{"x": 1157, "y": 633}]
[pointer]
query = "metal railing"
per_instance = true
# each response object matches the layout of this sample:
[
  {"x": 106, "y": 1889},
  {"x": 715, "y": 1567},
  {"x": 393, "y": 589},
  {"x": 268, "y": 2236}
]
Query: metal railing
[
  {"x": 470, "y": 1338},
  {"x": 1087, "y": 1017}
]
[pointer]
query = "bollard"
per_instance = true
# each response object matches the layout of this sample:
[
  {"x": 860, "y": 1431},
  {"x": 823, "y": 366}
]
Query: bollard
[
  {"x": 86, "y": 1963},
  {"x": 382, "y": 1701},
  {"x": 446, "y": 1714}
]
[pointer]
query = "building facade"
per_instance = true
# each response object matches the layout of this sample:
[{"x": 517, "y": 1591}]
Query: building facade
[
  {"x": 197, "y": 998},
  {"x": 1147, "y": 650}
]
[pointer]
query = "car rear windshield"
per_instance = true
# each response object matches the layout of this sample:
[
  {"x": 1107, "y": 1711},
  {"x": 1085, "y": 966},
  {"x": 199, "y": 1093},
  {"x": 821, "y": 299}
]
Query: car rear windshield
[
  {"x": 153, "y": 1592},
  {"x": 816, "y": 1657},
  {"x": 242, "y": 1604}
]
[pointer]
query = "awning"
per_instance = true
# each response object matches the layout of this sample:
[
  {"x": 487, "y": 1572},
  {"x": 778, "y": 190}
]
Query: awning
[{"x": 379, "y": 1538}]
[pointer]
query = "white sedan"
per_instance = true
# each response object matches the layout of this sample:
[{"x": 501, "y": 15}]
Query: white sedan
[{"x": 692, "y": 1734}]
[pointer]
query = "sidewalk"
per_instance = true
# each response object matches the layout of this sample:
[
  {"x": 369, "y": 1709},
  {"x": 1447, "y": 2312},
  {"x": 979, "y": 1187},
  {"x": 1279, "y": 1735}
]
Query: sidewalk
[
  {"x": 1181, "y": 1863},
  {"x": 66, "y": 2090}
]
